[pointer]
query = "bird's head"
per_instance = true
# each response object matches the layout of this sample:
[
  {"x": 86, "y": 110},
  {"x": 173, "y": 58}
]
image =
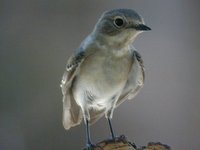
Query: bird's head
[{"x": 120, "y": 26}]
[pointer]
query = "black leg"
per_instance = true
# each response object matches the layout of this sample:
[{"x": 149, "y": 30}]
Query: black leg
[
  {"x": 111, "y": 129},
  {"x": 89, "y": 144}
]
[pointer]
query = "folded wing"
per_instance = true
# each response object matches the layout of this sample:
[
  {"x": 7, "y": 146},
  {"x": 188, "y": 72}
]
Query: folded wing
[
  {"x": 72, "y": 114},
  {"x": 135, "y": 80}
]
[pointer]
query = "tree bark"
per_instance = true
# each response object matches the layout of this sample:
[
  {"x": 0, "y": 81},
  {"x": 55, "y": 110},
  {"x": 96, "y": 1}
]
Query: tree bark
[{"x": 121, "y": 143}]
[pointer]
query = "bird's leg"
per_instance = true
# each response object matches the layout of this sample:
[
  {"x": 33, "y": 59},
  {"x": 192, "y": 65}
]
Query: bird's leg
[
  {"x": 89, "y": 144},
  {"x": 109, "y": 115},
  {"x": 88, "y": 133},
  {"x": 111, "y": 129}
]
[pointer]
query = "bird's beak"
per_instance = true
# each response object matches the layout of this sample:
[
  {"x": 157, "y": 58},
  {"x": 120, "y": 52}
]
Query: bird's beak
[{"x": 141, "y": 27}]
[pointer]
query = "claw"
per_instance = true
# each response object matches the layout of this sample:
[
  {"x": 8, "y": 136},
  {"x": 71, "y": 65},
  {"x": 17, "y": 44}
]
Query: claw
[
  {"x": 91, "y": 146},
  {"x": 117, "y": 139}
]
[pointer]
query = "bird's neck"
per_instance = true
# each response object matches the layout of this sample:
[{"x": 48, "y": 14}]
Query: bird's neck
[
  {"x": 105, "y": 43},
  {"x": 116, "y": 42}
]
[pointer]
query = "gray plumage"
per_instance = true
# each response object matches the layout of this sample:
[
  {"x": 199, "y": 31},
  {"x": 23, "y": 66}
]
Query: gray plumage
[{"x": 105, "y": 70}]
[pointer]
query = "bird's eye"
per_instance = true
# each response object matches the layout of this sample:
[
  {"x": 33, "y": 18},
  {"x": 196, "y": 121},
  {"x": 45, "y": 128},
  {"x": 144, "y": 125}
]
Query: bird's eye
[{"x": 118, "y": 22}]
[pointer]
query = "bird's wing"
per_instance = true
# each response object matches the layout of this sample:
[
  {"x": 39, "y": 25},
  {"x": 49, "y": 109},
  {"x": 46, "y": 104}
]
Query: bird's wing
[
  {"x": 71, "y": 70},
  {"x": 135, "y": 80},
  {"x": 72, "y": 114}
]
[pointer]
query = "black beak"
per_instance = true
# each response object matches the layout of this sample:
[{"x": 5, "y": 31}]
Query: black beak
[{"x": 142, "y": 27}]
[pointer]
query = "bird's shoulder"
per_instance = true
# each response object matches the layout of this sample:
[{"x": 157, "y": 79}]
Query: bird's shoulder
[
  {"x": 87, "y": 47},
  {"x": 138, "y": 57},
  {"x": 75, "y": 60}
]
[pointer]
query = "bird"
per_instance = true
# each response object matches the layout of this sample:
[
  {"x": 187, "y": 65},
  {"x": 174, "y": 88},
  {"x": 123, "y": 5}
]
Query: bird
[{"x": 104, "y": 71}]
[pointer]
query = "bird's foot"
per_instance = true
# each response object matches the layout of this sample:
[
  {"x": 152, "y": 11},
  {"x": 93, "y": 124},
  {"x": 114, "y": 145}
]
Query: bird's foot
[
  {"x": 90, "y": 146},
  {"x": 117, "y": 138}
]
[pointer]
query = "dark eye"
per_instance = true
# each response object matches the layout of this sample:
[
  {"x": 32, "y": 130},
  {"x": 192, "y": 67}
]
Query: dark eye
[{"x": 119, "y": 22}]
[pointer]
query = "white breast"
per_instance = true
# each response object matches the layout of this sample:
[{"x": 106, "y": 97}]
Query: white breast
[{"x": 104, "y": 76}]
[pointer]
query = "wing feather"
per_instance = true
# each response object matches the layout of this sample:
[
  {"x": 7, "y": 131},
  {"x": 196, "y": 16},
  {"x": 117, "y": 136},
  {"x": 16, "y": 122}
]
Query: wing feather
[
  {"x": 72, "y": 114},
  {"x": 135, "y": 80}
]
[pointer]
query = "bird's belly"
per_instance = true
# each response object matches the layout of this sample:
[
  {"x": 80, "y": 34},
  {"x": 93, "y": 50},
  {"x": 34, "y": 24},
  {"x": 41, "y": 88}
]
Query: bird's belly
[
  {"x": 103, "y": 78},
  {"x": 99, "y": 90}
]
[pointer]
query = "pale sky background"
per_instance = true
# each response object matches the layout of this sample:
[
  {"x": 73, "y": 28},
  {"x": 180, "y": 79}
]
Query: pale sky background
[{"x": 37, "y": 37}]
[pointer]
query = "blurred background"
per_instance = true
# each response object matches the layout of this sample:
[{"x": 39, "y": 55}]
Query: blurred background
[{"x": 38, "y": 36}]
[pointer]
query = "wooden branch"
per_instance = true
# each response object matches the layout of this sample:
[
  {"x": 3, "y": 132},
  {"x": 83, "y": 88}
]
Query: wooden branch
[{"x": 121, "y": 143}]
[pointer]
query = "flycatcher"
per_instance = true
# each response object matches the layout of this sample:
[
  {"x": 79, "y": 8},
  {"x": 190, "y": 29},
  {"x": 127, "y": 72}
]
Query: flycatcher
[{"x": 105, "y": 70}]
